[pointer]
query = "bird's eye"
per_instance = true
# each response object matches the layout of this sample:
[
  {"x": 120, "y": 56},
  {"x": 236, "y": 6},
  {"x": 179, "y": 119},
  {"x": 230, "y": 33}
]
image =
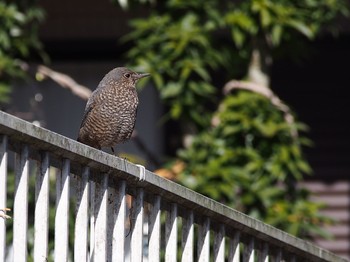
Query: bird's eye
[{"x": 127, "y": 75}]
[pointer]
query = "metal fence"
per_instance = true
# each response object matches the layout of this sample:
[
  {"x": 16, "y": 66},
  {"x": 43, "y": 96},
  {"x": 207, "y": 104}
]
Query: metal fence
[{"x": 118, "y": 216}]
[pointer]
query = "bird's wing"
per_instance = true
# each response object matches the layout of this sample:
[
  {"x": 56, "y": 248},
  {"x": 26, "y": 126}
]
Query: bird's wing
[
  {"x": 88, "y": 109},
  {"x": 91, "y": 103}
]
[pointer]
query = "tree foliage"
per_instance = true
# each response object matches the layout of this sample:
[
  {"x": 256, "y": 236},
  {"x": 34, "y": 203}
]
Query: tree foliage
[
  {"x": 248, "y": 157},
  {"x": 249, "y": 160},
  {"x": 18, "y": 38},
  {"x": 183, "y": 42}
]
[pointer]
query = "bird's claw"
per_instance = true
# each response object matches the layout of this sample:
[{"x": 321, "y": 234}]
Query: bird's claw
[
  {"x": 4, "y": 210},
  {"x": 142, "y": 173}
]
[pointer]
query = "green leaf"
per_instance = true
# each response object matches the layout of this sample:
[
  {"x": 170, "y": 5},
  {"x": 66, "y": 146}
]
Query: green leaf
[
  {"x": 202, "y": 72},
  {"x": 265, "y": 18},
  {"x": 238, "y": 37},
  {"x": 176, "y": 110},
  {"x": 276, "y": 34},
  {"x": 4, "y": 92},
  {"x": 185, "y": 72},
  {"x": 301, "y": 27},
  {"x": 158, "y": 80},
  {"x": 201, "y": 88},
  {"x": 170, "y": 90}
]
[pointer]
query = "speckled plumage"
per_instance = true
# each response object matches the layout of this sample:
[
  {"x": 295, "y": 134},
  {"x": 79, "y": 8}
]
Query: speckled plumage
[{"x": 110, "y": 112}]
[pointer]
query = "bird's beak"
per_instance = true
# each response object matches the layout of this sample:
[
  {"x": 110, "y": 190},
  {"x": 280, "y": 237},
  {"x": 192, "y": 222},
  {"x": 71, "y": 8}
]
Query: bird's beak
[{"x": 139, "y": 76}]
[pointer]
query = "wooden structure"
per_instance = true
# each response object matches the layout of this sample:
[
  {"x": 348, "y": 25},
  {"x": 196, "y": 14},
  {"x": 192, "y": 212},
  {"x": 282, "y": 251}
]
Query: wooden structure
[{"x": 100, "y": 184}]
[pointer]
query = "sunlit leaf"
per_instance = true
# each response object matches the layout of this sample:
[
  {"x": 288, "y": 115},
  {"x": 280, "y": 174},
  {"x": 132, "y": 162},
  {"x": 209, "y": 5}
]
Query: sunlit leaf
[
  {"x": 265, "y": 17},
  {"x": 171, "y": 89},
  {"x": 301, "y": 27},
  {"x": 276, "y": 34},
  {"x": 238, "y": 36}
]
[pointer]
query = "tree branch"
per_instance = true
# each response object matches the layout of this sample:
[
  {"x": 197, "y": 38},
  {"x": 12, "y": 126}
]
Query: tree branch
[{"x": 63, "y": 80}]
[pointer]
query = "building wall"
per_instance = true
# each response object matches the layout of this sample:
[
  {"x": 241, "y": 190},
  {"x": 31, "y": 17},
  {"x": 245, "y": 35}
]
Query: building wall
[{"x": 336, "y": 197}]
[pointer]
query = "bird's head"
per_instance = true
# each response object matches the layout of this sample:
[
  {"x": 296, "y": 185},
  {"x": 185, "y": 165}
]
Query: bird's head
[{"x": 124, "y": 76}]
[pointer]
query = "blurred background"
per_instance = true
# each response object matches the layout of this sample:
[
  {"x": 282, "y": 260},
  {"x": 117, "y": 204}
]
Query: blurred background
[{"x": 248, "y": 100}]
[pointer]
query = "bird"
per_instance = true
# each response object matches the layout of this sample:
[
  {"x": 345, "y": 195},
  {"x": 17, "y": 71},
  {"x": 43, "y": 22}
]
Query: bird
[{"x": 110, "y": 113}]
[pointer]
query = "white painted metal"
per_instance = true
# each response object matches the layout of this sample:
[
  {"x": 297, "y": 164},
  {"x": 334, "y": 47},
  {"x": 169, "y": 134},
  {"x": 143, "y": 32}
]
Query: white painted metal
[
  {"x": 62, "y": 212},
  {"x": 219, "y": 245},
  {"x": 136, "y": 220},
  {"x": 118, "y": 228},
  {"x": 20, "y": 211},
  {"x": 171, "y": 234},
  {"x": 100, "y": 241},
  {"x": 41, "y": 221},
  {"x": 81, "y": 219},
  {"x": 154, "y": 234},
  {"x": 204, "y": 241},
  {"x": 234, "y": 251},
  {"x": 187, "y": 237},
  {"x": 3, "y": 193}
]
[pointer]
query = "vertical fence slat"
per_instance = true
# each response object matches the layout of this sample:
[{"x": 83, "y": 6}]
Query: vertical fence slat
[
  {"x": 136, "y": 244},
  {"x": 277, "y": 256},
  {"x": 204, "y": 241},
  {"x": 3, "y": 194},
  {"x": 92, "y": 220},
  {"x": 171, "y": 235},
  {"x": 62, "y": 212},
  {"x": 111, "y": 216},
  {"x": 41, "y": 222},
  {"x": 263, "y": 253},
  {"x": 100, "y": 240},
  {"x": 219, "y": 245},
  {"x": 187, "y": 237},
  {"x": 118, "y": 213},
  {"x": 20, "y": 212},
  {"x": 81, "y": 219},
  {"x": 293, "y": 258},
  {"x": 248, "y": 252},
  {"x": 154, "y": 234},
  {"x": 234, "y": 251}
]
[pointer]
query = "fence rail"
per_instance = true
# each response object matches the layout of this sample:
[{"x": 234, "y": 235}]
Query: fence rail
[{"x": 118, "y": 216}]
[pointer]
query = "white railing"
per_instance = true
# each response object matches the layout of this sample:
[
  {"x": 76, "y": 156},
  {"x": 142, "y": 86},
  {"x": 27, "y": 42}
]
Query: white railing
[{"x": 119, "y": 217}]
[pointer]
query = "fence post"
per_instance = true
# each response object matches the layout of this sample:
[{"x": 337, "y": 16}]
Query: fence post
[
  {"x": 119, "y": 214},
  {"x": 136, "y": 221},
  {"x": 100, "y": 240},
  {"x": 20, "y": 211},
  {"x": 3, "y": 194},
  {"x": 171, "y": 234},
  {"x": 41, "y": 221},
  {"x": 81, "y": 219},
  {"x": 187, "y": 237},
  {"x": 62, "y": 212},
  {"x": 234, "y": 251},
  {"x": 204, "y": 241},
  {"x": 219, "y": 244}
]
